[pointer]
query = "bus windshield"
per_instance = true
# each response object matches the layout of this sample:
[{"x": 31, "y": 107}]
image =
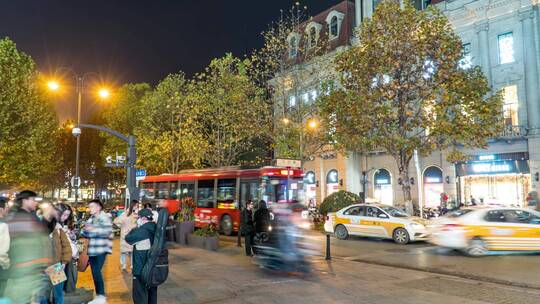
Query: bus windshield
[{"x": 279, "y": 190}]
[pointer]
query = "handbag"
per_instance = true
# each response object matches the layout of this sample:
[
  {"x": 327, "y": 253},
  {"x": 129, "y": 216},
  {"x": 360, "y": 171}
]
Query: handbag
[{"x": 82, "y": 262}]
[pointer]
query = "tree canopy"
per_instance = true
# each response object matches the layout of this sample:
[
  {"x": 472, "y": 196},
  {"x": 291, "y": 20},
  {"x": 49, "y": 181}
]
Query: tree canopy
[
  {"x": 28, "y": 121},
  {"x": 403, "y": 89}
]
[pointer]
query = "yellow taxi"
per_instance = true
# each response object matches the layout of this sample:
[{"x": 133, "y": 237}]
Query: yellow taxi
[
  {"x": 482, "y": 231},
  {"x": 375, "y": 220}
]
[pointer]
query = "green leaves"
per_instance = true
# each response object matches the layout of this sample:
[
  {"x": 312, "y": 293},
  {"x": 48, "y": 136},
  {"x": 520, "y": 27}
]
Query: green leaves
[
  {"x": 403, "y": 89},
  {"x": 27, "y": 121}
]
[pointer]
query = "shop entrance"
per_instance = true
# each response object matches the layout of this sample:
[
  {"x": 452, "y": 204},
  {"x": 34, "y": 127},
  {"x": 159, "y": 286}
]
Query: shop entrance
[{"x": 499, "y": 189}]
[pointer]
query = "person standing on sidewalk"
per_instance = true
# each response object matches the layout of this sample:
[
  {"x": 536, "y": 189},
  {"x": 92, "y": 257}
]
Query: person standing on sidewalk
[
  {"x": 30, "y": 252},
  {"x": 66, "y": 223},
  {"x": 126, "y": 222},
  {"x": 98, "y": 229},
  {"x": 248, "y": 228},
  {"x": 61, "y": 250},
  {"x": 4, "y": 255},
  {"x": 141, "y": 238}
]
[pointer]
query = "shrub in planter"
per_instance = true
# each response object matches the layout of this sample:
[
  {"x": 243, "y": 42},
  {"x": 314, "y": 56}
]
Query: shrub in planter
[
  {"x": 337, "y": 200},
  {"x": 210, "y": 234},
  {"x": 185, "y": 220}
]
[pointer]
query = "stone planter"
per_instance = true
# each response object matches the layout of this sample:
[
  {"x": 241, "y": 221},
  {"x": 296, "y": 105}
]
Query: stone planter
[
  {"x": 211, "y": 243},
  {"x": 183, "y": 229},
  {"x": 204, "y": 242}
]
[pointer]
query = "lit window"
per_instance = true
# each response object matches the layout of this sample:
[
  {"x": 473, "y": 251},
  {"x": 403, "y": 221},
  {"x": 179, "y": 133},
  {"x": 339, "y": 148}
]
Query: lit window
[
  {"x": 312, "y": 37},
  {"x": 305, "y": 97},
  {"x": 293, "y": 47},
  {"x": 292, "y": 101},
  {"x": 506, "y": 48},
  {"x": 333, "y": 27},
  {"x": 510, "y": 107},
  {"x": 466, "y": 57},
  {"x": 429, "y": 69},
  {"x": 313, "y": 95}
]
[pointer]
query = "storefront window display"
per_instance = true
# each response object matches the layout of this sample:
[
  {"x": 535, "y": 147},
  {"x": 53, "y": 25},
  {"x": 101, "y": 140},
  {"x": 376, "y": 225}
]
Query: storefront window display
[
  {"x": 501, "y": 179},
  {"x": 332, "y": 182},
  {"x": 311, "y": 187},
  {"x": 383, "y": 191},
  {"x": 433, "y": 186}
]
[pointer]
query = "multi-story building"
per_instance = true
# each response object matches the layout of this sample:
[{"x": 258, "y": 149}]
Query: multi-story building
[{"x": 503, "y": 38}]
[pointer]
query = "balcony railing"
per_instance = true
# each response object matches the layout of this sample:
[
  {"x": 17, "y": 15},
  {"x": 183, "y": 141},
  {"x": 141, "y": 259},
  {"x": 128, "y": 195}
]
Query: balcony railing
[{"x": 513, "y": 132}]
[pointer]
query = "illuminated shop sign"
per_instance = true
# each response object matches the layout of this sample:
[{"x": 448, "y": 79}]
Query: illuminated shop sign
[
  {"x": 381, "y": 181},
  {"x": 433, "y": 180},
  {"x": 486, "y": 157},
  {"x": 491, "y": 168}
]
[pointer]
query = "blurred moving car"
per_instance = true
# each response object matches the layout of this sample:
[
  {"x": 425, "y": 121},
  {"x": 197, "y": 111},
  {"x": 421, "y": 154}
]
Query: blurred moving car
[
  {"x": 375, "y": 220},
  {"x": 480, "y": 231}
]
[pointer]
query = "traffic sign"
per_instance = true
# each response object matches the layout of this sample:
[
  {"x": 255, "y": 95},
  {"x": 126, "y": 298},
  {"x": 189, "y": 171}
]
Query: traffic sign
[
  {"x": 75, "y": 181},
  {"x": 140, "y": 173}
]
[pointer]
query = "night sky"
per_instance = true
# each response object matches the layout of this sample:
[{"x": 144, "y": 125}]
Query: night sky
[{"x": 136, "y": 41}]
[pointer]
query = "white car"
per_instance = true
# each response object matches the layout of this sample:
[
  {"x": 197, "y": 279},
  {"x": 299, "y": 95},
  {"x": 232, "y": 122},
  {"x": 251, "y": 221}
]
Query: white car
[
  {"x": 479, "y": 231},
  {"x": 375, "y": 220}
]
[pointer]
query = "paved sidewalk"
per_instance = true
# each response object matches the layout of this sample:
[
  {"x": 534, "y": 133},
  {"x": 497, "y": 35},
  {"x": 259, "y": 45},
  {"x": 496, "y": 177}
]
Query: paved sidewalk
[
  {"x": 227, "y": 276},
  {"x": 117, "y": 284}
]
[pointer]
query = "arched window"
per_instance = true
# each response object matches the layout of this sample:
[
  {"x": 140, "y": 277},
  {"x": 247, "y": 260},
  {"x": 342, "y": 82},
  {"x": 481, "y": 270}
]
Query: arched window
[
  {"x": 312, "y": 37},
  {"x": 433, "y": 186},
  {"x": 332, "y": 182},
  {"x": 310, "y": 178},
  {"x": 293, "y": 47},
  {"x": 383, "y": 191},
  {"x": 333, "y": 27}
]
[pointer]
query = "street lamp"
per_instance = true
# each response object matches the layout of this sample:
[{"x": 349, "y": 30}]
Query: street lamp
[{"x": 103, "y": 93}]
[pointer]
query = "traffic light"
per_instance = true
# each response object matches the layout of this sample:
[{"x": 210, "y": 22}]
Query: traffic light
[{"x": 537, "y": 176}]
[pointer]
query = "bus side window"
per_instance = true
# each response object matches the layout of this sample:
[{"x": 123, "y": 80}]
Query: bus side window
[
  {"x": 162, "y": 190},
  {"x": 174, "y": 192},
  {"x": 205, "y": 193}
]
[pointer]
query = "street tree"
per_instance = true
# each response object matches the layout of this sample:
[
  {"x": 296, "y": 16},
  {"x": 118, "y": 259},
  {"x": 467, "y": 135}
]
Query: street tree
[
  {"x": 28, "y": 122},
  {"x": 293, "y": 67},
  {"x": 403, "y": 89},
  {"x": 168, "y": 134},
  {"x": 231, "y": 113}
]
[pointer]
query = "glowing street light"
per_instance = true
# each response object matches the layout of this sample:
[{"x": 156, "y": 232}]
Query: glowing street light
[
  {"x": 104, "y": 93},
  {"x": 53, "y": 85},
  {"x": 312, "y": 124},
  {"x": 286, "y": 120}
]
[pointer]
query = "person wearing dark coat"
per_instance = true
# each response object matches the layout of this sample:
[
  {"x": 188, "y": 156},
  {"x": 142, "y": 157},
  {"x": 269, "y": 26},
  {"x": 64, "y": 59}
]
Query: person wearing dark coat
[
  {"x": 262, "y": 218},
  {"x": 248, "y": 227},
  {"x": 141, "y": 238}
]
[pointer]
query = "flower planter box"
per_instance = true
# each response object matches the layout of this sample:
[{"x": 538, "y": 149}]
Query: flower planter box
[
  {"x": 204, "y": 242},
  {"x": 183, "y": 230}
]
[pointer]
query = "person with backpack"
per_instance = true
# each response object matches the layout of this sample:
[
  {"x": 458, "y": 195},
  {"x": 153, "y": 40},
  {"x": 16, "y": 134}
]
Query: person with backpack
[{"x": 142, "y": 238}]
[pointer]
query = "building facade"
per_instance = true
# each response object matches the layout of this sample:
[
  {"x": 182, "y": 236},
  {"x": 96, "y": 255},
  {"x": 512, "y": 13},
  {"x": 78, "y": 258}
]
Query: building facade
[{"x": 503, "y": 38}]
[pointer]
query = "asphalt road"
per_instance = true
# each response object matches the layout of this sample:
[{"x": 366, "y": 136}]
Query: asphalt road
[{"x": 517, "y": 270}]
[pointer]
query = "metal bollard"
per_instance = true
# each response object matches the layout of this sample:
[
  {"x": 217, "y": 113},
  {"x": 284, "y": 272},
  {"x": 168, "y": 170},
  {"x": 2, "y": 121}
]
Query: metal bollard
[{"x": 328, "y": 256}]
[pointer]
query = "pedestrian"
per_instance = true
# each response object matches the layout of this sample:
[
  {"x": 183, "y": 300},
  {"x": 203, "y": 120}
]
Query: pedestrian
[
  {"x": 4, "y": 256},
  {"x": 30, "y": 252},
  {"x": 248, "y": 228},
  {"x": 4, "y": 207},
  {"x": 473, "y": 201},
  {"x": 126, "y": 222},
  {"x": 66, "y": 223},
  {"x": 142, "y": 238},
  {"x": 62, "y": 252},
  {"x": 98, "y": 229},
  {"x": 262, "y": 218},
  {"x": 154, "y": 213}
]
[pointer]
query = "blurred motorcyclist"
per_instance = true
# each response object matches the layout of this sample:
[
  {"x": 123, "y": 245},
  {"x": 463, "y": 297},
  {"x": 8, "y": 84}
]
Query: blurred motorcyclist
[{"x": 262, "y": 218}]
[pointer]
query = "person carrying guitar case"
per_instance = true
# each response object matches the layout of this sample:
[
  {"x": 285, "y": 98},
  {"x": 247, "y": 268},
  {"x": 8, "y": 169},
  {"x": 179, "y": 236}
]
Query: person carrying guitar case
[{"x": 144, "y": 238}]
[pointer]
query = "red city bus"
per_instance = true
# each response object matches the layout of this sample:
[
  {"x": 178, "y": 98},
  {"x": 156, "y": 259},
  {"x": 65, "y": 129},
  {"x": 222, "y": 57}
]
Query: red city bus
[{"x": 221, "y": 193}]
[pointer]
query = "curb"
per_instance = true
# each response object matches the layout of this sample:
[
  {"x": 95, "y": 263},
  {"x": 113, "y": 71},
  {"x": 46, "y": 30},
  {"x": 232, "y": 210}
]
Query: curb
[{"x": 445, "y": 272}]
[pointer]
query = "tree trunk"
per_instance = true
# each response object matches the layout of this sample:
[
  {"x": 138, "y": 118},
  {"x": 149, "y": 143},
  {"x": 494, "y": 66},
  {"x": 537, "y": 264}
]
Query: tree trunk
[{"x": 403, "y": 161}]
